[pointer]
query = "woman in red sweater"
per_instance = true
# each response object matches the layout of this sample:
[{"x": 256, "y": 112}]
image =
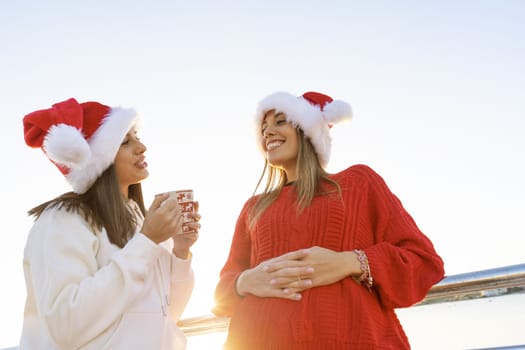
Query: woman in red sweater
[{"x": 318, "y": 260}]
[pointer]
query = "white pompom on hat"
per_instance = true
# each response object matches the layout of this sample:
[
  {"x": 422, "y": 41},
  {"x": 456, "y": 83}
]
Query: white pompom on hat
[
  {"x": 313, "y": 112},
  {"x": 81, "y": 139}
]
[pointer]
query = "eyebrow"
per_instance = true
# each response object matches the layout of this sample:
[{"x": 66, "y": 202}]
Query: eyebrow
[{"x": 276, "y": 115}]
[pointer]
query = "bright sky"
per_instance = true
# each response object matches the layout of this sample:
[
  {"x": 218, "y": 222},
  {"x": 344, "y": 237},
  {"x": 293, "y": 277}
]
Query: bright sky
[{"x": 437, "y": 88}]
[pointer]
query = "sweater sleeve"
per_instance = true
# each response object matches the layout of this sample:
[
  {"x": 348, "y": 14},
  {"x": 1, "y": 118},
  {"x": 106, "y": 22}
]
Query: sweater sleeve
[
  {"x": 78, "y": 300},
  {"x": 182, "y": 283},
  {"x": 181, "y": 277},
  {"x": 403, "y": 261},
  {"x": 226, "y": 296}
]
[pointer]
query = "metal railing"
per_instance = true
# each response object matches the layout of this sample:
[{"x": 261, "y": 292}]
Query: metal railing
[
  {"x": 471, "y": 285},
  {"x": 478, "y": 284}
]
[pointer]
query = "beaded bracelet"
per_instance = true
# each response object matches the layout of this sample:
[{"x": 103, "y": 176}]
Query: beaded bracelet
[{"x": 366, "y": 275}]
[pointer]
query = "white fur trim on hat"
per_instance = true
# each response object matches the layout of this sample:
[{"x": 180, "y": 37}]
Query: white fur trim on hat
[
  {"x": 314, "y": 122},
  {"x": 104, "y": 145}
]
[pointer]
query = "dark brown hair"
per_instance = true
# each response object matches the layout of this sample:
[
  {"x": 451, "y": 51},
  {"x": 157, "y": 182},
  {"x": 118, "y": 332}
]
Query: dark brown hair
[{"x": 102, "y": 206}]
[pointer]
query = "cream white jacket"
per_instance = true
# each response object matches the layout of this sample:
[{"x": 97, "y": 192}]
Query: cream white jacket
[{"x": 85, "y": 293}]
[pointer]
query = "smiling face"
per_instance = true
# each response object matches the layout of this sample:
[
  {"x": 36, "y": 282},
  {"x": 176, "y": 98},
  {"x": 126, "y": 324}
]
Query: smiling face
[
  {"x": 130, "y": 164},
  {"x": 280, "y": 142}
]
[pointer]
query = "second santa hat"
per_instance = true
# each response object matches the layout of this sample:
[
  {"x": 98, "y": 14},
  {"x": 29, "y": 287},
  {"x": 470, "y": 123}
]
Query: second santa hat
[{"x": 313, "y": 112}]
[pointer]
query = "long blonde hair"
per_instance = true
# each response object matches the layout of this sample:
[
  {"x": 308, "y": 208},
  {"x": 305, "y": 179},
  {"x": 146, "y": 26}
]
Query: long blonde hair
[{"x": 310, "y": 178}]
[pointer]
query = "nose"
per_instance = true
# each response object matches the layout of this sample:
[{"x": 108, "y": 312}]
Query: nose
[
  {"x": 268, "y": 131},
  {"x": 140, "y": 147}
]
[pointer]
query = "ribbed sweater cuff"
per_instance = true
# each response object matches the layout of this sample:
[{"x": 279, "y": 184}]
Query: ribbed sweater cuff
[{"x": 181, "y": 268}]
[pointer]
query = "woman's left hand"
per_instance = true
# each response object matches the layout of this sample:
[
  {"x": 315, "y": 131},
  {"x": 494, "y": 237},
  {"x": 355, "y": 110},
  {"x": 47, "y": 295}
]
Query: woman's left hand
[{"x": 182, "y": 242}]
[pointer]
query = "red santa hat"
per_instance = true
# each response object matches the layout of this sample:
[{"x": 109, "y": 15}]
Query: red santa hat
[
  {"x": 81, "y": 139},
  {"x": 313, "y": 112}
]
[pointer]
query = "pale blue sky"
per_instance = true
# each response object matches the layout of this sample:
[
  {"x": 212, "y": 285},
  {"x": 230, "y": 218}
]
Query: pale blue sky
[{"x": 437, "y": 88}]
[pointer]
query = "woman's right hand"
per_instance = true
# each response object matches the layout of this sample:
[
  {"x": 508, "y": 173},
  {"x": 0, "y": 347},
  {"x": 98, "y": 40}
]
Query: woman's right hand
[
  {"x": 265, "y": 280},
  {"x": 163, "y": 218}
]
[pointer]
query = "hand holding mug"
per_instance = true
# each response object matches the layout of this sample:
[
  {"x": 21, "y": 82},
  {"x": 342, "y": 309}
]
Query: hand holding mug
[{"x": 162, "y": 219}]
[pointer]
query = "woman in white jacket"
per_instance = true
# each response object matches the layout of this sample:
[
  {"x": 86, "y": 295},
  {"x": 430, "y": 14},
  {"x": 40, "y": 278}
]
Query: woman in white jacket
[{"x": 102, "y": 272}]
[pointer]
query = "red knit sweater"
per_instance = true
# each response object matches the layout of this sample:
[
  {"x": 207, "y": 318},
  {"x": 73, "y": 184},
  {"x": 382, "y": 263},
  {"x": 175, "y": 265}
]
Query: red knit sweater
[{"x": 343, "y": 315}]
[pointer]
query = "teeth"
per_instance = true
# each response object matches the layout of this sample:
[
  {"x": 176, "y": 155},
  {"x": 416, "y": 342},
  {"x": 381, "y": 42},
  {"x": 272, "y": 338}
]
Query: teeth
[{"x": 273, "y": 145}]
